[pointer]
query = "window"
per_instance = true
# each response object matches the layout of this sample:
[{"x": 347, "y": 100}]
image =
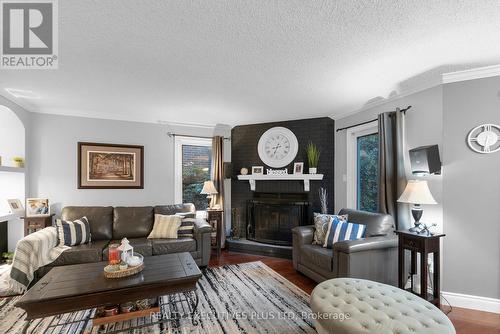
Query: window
[
  {"x": 367, "y": 172},
  {"x": 193, "y": 161},
  {"x": 362, "y": 169}
]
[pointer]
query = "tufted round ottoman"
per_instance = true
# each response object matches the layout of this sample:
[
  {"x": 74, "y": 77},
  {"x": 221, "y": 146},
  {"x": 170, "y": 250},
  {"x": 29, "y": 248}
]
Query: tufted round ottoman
[{"x": 351, "y": 306}]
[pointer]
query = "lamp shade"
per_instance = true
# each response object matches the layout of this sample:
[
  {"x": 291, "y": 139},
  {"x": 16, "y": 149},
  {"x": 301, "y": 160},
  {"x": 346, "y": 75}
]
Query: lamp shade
[
  {"x": 208, "y": 188},
  {"x": 417, "y": 192}
]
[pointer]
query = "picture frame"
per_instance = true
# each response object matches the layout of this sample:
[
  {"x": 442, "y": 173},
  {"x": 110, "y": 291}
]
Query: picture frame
[
  {"x": 110, "y": 166},
  {"x": 37, "y": 207},
  {"x": 298, "y": 168},
  {"x": 257, "y": 170},
  {"x": 16, "y": 206}
]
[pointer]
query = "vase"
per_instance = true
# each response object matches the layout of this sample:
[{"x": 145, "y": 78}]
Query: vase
[{"x": 313, "y": 170}]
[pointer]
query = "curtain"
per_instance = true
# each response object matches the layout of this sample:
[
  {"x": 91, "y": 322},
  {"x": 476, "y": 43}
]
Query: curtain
[
  {"x": 218, "y": 179},
  {"x": 392, "y": 178}
]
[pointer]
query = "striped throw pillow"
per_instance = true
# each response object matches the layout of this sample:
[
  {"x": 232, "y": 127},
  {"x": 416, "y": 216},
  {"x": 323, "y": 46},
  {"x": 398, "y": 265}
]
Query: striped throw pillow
[
  {"x": 73, "y": 233},
  {"x": 187, "y": 228},
  {"x": 342, "y": 230},
  {"x": 165, "y": 226}
]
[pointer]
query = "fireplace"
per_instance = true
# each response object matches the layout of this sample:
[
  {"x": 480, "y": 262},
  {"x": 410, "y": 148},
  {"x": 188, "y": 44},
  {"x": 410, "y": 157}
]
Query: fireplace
[{"x": 272, "y": 216}]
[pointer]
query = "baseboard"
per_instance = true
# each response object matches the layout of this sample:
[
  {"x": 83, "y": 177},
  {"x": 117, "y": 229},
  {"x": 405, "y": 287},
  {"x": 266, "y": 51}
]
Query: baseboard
[{"x": 472, "y": 302}]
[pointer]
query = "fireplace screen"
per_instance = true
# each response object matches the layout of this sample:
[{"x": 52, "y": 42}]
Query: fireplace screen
[{"x": 272, "y": 218}]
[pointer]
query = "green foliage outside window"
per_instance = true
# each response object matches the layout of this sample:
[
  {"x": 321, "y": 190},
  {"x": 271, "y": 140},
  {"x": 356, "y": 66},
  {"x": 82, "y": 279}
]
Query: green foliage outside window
[{"x": 368, "y": 155}]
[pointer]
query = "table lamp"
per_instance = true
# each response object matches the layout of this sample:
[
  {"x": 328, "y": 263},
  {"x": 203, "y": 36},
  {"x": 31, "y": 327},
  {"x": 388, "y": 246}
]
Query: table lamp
[
  {"x": 209, "y": 190},
  {"x": 417, "y": 192}
]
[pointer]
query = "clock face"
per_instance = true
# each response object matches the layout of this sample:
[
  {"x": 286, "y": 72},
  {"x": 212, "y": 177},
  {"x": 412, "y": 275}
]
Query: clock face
[
  {"x": 278, "y": 147},
  {"x": 484, "y": 138}
]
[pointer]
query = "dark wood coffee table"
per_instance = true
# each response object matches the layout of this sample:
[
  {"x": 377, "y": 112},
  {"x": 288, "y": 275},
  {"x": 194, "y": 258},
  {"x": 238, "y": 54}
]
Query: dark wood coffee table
[{"x": 83, "y": 286}]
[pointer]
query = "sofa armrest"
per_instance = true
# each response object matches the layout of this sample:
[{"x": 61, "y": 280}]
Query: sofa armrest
[
  {"x": 362, "y": 245},
  {"x": 201, "y": 226},
  {"x": 304, "y": 234}
]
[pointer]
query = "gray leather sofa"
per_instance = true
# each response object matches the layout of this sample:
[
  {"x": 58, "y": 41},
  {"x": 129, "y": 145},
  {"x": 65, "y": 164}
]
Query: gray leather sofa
[
  {"x": 110, "y": 224},
  {"x": 373, "y": 258}
]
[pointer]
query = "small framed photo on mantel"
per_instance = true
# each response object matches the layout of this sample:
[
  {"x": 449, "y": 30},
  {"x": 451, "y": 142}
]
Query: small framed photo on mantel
[
  {"x": 298, "y": 168},
  {"x": 110, "y": 166},
  {"x": 257, "y": 170}
]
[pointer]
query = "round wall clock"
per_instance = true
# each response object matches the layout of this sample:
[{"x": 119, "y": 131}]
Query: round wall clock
[
  {"x": 278, "y": 147},
  {"x": 484, "y": 138}
]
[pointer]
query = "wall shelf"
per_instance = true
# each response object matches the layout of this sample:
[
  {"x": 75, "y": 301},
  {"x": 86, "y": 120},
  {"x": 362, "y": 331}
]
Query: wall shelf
[
  {"x": 10, "y": 169},
  {"x": 299, "y": 177}
]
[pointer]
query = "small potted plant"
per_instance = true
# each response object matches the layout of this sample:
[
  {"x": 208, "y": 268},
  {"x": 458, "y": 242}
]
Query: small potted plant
[
  {"x": 8, "y": 257},
  {"x": 18, "y": 162},
  {"x": 312, "y": 157}
]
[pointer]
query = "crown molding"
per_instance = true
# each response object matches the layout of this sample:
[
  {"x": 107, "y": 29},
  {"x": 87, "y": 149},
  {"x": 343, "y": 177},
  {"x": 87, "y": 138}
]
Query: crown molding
[
  {"x": 474, "y": 73},
  {"x": 403, "y": 93}
]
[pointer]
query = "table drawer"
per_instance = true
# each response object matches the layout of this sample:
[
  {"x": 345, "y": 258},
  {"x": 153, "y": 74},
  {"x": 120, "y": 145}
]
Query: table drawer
[{"x": 411, "y": 243}]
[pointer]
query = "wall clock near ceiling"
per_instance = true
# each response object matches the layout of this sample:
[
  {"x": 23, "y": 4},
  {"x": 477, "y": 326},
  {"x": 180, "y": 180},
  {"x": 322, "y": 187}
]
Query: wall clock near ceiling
[
  {"x": 484, "y": 138},
  {"x": 278, "y": 147}
]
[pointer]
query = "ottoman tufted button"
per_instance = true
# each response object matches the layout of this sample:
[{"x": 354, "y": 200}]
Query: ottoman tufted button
[{"x": 397, "y": 312}]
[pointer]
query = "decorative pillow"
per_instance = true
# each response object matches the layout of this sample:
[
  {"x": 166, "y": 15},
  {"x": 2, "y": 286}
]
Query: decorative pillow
[
  {"x": 321, "y": 223},
  {"x": 187, "y": 228},
  {"x": 73, "y": 233},
  {"x": 165, "y": 226},
  {"x": 343, "y": 230}
]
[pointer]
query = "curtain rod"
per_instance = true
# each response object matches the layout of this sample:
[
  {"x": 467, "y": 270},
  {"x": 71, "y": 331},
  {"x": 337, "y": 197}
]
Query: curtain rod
[
  {"x": 373, "y": 120},
  {"x": 171, "y": 134}
]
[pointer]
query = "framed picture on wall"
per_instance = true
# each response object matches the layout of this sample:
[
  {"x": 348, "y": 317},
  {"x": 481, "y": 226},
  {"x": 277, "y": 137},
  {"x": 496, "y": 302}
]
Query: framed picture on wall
[
  {"x": 110, "y": 166},
  {"x": 37, "y": 207}
]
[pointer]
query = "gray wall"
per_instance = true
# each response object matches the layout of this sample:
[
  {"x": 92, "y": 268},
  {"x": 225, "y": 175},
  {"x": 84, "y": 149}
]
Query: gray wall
[
  {"x": 471, "y": 191},
  {"x": 423, "y": 127},
  {"x": 467, "y": 192},
  {"x": 52, "y": 147}
]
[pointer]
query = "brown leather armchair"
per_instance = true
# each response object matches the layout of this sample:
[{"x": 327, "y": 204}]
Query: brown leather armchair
[{"x": 373, "y": 258}]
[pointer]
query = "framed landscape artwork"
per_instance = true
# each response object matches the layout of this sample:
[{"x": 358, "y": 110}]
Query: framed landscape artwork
[{"x": 110, "y": 166}]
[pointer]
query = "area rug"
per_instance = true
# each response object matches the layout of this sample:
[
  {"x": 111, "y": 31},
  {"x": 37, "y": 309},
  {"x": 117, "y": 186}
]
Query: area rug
[{"x": 243, "y": 298}]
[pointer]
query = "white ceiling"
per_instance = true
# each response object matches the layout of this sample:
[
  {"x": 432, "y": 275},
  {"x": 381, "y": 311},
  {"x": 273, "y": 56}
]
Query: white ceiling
[{"x": 238, "y": 62}]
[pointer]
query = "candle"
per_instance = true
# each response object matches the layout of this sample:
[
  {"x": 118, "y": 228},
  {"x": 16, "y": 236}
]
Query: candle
[{"x": 113, "y": 255}]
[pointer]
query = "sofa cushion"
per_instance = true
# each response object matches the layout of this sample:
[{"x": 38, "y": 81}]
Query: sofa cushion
[
  {"x": 376, "y": 223},
  {"x": 132, "y": 222},
  {"x": 321, "y": 224},
  {"x": 187, "y": 209},
  {"x": 169, "y": 246},
  {"x": 100, "y": 219},
  {"x": 165, "y": 226},
  {"x": 86, "y": 253},
  {"x": 73, "y": 233},
  {"x": 317, "y": 256},
  {"x": 142, "y": 246}
]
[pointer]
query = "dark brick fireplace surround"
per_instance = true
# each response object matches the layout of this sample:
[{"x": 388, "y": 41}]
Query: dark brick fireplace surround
[{"x": 244, "y": 139}]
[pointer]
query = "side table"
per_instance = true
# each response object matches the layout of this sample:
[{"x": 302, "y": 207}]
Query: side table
[
  {"x": 214, "y": 218},
  {"x": 425, "y": 245},
  {"x": 33, "y": 224}
]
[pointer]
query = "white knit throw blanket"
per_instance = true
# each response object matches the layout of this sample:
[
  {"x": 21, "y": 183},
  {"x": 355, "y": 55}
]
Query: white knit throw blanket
[{"x": 32, "y": 252}]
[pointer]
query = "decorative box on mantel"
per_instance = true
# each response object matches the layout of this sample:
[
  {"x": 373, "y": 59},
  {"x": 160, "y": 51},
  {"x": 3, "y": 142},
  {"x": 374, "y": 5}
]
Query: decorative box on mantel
[{"x": 301, "y": 177}]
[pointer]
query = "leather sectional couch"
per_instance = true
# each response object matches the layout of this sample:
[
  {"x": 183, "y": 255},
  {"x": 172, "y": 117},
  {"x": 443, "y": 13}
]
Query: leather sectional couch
[
  {"x": 109, "y": 225},
  {"x": 374, "y": 257}
]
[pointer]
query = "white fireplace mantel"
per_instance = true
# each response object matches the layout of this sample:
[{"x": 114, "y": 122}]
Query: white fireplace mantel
[{"x": 300, "y": 177}]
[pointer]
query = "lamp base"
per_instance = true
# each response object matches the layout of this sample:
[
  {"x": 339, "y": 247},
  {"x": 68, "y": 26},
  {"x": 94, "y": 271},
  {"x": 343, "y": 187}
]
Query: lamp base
[{"x": 416, "y": 212}]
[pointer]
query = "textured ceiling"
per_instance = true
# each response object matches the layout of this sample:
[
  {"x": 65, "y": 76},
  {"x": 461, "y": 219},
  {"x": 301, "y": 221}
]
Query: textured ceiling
[{"x": 238, "y": 62}]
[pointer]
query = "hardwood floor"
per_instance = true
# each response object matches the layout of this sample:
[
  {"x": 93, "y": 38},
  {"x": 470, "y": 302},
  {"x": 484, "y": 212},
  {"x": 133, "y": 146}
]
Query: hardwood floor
[{"x": 465, "y": 321}]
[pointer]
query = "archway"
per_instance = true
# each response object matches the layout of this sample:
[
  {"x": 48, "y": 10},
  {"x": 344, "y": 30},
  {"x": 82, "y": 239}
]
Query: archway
[{"x": 12, "y": 178}]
